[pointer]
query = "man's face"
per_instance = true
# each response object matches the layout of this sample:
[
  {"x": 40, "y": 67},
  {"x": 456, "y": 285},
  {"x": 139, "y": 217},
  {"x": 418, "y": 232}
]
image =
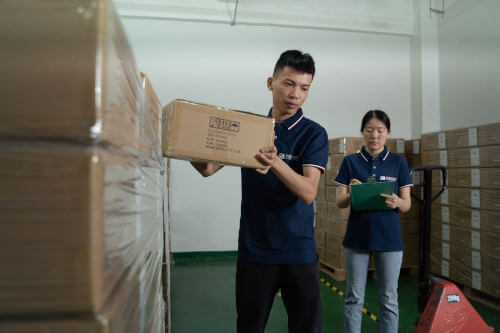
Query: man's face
[{"x": 290, "y": 89}]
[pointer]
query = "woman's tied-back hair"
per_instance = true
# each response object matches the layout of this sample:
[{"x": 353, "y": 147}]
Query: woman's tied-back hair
[{"x": 380, "y": 115}]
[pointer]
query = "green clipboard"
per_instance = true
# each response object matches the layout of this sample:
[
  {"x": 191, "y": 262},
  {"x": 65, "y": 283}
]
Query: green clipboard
[{"x": 366, "y": 196}]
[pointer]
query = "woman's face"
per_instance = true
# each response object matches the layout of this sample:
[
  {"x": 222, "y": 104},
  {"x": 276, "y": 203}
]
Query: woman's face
[{"x": 375, "y": 134}]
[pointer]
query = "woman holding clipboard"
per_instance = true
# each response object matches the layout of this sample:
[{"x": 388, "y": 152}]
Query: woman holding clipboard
[{"x": 376, "y": 232}]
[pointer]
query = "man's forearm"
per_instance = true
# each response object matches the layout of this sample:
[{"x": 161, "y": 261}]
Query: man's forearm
[{"x": 305, "y": 188}]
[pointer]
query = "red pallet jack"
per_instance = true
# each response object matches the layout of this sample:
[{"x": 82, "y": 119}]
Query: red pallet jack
[{"x": 443, "y": 306}]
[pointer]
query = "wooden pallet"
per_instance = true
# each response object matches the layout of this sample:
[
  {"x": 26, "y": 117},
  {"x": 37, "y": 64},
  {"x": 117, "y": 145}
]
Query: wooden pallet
[{"x": 336, "y": 273}]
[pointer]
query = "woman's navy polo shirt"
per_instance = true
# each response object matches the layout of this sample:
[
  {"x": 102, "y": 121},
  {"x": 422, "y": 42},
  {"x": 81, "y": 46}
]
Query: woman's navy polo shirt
[
  {"x": 374, "y": 230},
  {"x": 276, "y": 227}
]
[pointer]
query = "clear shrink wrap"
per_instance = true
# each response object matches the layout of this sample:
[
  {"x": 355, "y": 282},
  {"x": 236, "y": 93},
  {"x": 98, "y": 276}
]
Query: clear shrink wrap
[
  {"x": 81, "y": 181},
  {"x": 68, "y": 73},
  {"x": 81, "y": 229}
]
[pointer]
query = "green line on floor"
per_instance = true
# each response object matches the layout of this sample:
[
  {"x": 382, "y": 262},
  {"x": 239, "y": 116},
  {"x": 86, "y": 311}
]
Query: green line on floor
[{"x": 341, "y": 293}]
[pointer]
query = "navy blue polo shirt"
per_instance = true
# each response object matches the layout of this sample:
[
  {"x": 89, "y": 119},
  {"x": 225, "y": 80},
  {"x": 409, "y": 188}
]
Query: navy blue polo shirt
[
  {"x": 276, "y": 227},
  {"x": 374, "y": 230}
]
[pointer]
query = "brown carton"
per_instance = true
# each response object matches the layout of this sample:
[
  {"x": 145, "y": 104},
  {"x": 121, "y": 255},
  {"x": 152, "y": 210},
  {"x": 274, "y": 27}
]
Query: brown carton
[
  {"x": 321, "y": 253},
  {"x": 68, "y": 73},
  {"x": 331, "y": 193},
  {"x": 410, "y": 258},
  {"x": 69, "y": 222},
  {"x": 345, "y": 145},
  {"x": 472, "y": 198},
  {"x": 125, "y": 311},
  {"x": 336, "y": 213},
  {"x": 321, "y": 195},
  {"x": 476, "y": 270},
  {"x": 339, "y": 227},
  {"x": 435, "y": 157},
  {"x": 199, "y": 132},
  {"x": 320, "y": 236},
  {"x": 410, "y": 225},
  {"x": 412, "y": 147},
  {"x": 433, "y": 141},
  {"x": 487, "y": 156},
  {"x": 488, "y": 178},
  {"x": 396, "y": 146},
  {"x": 321, "y": 209},
  {"x": 484, "y": 135},
  {"x": 467, "y": 217}
]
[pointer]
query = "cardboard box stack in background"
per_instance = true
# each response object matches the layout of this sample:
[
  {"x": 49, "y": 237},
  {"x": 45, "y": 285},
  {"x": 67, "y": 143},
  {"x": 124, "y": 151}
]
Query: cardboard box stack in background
[
  {"x": 199, "y": 132},
  {"x": 81, "y": 188},
  {"x": 410, "y": 221},
  {"x": 331, "y": 221},
  {"x": 465, "y": 231}
]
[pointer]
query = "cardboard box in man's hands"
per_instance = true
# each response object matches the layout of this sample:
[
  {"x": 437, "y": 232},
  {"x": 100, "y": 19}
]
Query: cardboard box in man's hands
[{"x": 199, "y": 132}]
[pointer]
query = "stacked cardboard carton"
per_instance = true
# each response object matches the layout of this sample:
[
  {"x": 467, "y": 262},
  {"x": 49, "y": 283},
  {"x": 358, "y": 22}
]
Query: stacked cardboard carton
[
  {"x": 410, "y": 221},
  {"x": 81, "y": 188},
  {"x": 465, "y": 231},
  {"x": 331, "y": 221}
]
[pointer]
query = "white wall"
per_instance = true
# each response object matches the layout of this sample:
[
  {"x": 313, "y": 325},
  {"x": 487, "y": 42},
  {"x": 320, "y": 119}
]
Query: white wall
[
  {"x": 228, "y": 66},
  {"x": 469, "y": 53}
]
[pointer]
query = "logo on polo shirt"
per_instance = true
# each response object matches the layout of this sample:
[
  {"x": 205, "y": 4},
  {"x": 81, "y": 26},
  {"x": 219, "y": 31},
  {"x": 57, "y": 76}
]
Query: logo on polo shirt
[
  {"x": 391, "y": 179},
  {"x": 288, "y": 157},
  {"x": 453, "y": 298}
]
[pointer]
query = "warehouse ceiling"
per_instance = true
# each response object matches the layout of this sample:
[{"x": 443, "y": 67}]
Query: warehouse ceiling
[{"x": 385, "y": 16}]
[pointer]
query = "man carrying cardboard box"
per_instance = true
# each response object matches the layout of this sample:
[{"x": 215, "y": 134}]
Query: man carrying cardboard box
[{"x": 276, "y": 247}]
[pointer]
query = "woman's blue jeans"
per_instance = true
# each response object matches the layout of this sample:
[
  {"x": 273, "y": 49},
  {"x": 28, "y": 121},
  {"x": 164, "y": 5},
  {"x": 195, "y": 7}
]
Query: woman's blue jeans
[{"x": 387, "y": 265}]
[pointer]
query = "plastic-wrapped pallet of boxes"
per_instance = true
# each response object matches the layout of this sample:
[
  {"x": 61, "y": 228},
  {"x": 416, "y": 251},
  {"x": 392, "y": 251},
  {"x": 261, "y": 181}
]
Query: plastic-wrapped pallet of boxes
[
  {"x": 81, "y": 187},
  {"x": 331, "y": 221},
  {"x": 465, "y": 231}
]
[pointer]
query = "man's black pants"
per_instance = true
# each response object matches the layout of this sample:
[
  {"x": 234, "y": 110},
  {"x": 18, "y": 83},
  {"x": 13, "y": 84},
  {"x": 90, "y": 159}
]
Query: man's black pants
[{"x": 256, "y": 288}]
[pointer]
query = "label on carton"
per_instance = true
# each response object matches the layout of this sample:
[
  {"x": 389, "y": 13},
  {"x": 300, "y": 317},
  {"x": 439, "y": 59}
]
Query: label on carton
[
  {"x": 224, "y": 124},
  {"x": 475, "y": 239},
  {"x": 417, "y": 178},
  {"x": 475, "y": 199},
  {"x": 416, "y": 147},
  {"x": 475, "y": 177},
  {"x": 443, "y": 157},
  {"x": 444, "y": 197},
  {"x": 341, "y": 145},
  {"x": 473, "y": 136},
  {"x": 474, "y": 157},
  {"x": 476, "y": 259},
  {"x": 442, "y": 140},
  {"x": 329, "y": 164},
  {"x": 445, "y": 268},
  {"x": 400, "y": 146},
  {"x": 445, "y": 214},
  {"x": 476, "y": 280},
  {"x": 475, "y": 219},
  {"x": 446, "y": 251},
  {"x": 219, "y": 140},
  {"x": 446, "y": 232}
]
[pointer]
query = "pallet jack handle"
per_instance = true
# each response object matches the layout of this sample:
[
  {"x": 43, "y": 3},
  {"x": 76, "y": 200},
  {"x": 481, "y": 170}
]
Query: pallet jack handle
[{"x": 424, "y": 282}]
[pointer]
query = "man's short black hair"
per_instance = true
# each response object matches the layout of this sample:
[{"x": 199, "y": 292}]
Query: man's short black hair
[{"x": 302, "y": 62}]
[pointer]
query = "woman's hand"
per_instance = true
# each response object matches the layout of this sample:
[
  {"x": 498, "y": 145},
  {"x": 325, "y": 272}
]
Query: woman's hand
[
  {"x": 354, "y": 181},
  {"x": 392, "y": 201}
]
